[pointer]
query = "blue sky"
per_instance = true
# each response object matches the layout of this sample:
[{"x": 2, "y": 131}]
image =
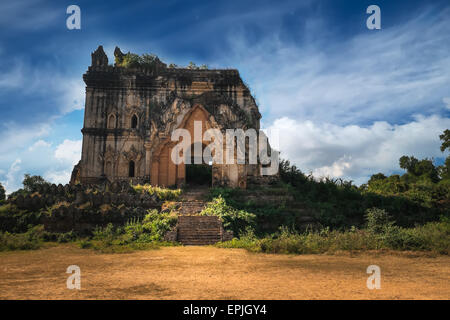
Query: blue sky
[{"x": 347, "y": 101}]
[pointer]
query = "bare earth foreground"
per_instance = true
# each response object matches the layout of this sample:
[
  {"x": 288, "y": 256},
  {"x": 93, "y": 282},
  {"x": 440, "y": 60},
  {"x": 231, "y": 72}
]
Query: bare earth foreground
[{"x": 212, "y": 273}]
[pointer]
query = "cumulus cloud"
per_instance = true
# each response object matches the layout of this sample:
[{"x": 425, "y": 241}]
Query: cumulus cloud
[
  {"x": 39, "y": 144},
  {"x": 390, "y": 74},
  {"x": 355, "y": 152},
  {"x": 58, "y": 177},
  {"x": 69, "y": 151},
  {"x": 10, "y": 183},
  {"x": 54, "y": 163}
]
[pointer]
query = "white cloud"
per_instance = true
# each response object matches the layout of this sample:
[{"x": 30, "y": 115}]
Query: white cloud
[
  {"x": 355, "y": 152},
  {"x": 69, "y": 151},
  {"x": 14, "y": 136},
  {"x": 58, "y": 177},
  {"x": 11, "y": 182},
  {"x": 335, "y": 170},
  {"x": 39, "y": 144},
  {"x": 54, "y": 163},
  {"x": 390, "y": 74},
  {"x": 446, "y": 100}
]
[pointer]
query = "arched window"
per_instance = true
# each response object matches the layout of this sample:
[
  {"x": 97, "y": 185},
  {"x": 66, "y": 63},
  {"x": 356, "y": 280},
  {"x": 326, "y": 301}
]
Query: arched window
[
  {"x": 134, "y": 121},
  {"x": 108, "y": 169},
  {"x": 131, "y": 169},
  {"x": 112, "y": 121}
]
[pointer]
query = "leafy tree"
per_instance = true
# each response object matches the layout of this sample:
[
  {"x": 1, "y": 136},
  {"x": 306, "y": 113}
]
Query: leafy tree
[
  {"x": 31, "y": 183},
  {"x": 2, "y": 193},
  {"x": 445, "y": 137},
  {"x": 376, "y": 177},
  {"x": 424, "y": 168},
  {"x": 444, "y": 170},
  {"x": 408, "y": 163},
  {"x": 192, "y": 65}
]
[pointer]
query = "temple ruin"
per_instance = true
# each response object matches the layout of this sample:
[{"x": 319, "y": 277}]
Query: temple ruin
[{"x": 131, "y": 111}]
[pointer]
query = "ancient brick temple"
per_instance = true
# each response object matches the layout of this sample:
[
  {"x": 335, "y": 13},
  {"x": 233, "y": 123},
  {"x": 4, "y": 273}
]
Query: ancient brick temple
[{"x": 130, "y": 113}]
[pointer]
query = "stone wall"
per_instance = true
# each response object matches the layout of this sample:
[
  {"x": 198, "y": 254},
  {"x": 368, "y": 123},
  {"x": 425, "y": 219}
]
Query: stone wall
[{"x": 83, "y": 207}]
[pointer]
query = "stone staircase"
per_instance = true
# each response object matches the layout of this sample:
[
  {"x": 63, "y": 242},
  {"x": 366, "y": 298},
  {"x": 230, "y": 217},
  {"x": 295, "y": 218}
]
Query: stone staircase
[
  {"x": 199, "y": 230},
  {"x": 190, "y": 207},
  {"x": 192, "y": 201},
  {"x": 193, "y": 229}
]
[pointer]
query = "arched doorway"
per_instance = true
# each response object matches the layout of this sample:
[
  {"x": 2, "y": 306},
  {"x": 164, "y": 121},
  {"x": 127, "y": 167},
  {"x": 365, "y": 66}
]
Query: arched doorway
[{"x": 198, "y": 170}]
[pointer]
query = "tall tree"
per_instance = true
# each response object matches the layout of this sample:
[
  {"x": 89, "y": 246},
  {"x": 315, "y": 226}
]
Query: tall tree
[
  {"x": 445, "y": 137},
  {"x": 31, "y": 183},
  {"x": 2, "y": 193}
]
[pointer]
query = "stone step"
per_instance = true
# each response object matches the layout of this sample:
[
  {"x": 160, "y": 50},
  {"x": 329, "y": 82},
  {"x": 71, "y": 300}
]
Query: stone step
[
  {"x": 199, "y": 230},
  {"x": 198, "y": 235},
  {"x": 190, "y": 207}
]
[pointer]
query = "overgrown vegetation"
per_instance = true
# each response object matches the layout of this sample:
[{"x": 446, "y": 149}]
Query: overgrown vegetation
[
  {"x": 298, "y": 214},
  {"x": 132, "y": 60},
  {"x": 134, "y": 235},
  {"x": 32, "y": 239},
  {"x": 381, "y": 233},
  {"x": 40, "y": 202},
  {"x": 420, "y": 195},
  {"x": 232, "y": 219},
  {"x": 162, "y": 193}
]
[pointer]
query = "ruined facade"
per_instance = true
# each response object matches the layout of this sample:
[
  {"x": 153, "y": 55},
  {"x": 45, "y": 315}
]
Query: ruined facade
[{"x": 130, "y": 113}]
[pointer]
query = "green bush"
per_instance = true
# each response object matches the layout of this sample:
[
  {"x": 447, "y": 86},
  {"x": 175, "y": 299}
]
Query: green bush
[
  {"x": 232, "y": 219},
  {"x": 433, "y": 236},
  {"x": 15, "y": 220},
  {"x": 156, "y": 224},
  {"x": 378, "y": 220},
  {"x": 135, "y": 233},
  {"x": 32, "y": 239}
]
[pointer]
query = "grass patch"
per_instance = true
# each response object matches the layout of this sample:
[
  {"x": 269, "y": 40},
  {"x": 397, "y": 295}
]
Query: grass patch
[{"x": 162, "y": 194}]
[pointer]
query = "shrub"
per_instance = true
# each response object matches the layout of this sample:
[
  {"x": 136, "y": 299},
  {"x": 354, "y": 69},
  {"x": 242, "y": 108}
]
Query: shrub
[
  {"x": 32, "y": 239},
  {"x": 14, "y": 220},
  {"x": 150, "y": 230},
  {"x": 232, "y": 219},
  {"x": 158, "y": 223},
  {"x": 378, "y": 220},
  {"x": 433, "y": 236}
]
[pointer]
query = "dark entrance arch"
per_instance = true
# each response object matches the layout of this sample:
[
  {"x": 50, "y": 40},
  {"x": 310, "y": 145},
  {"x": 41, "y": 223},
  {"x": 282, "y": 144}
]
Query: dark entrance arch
[
  {"x": 131, "y": 169},
  {"x": 198, "y": 170}
]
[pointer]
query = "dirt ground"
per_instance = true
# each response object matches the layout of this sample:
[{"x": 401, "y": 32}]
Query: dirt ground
[{"x": 213, "y": 273}]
